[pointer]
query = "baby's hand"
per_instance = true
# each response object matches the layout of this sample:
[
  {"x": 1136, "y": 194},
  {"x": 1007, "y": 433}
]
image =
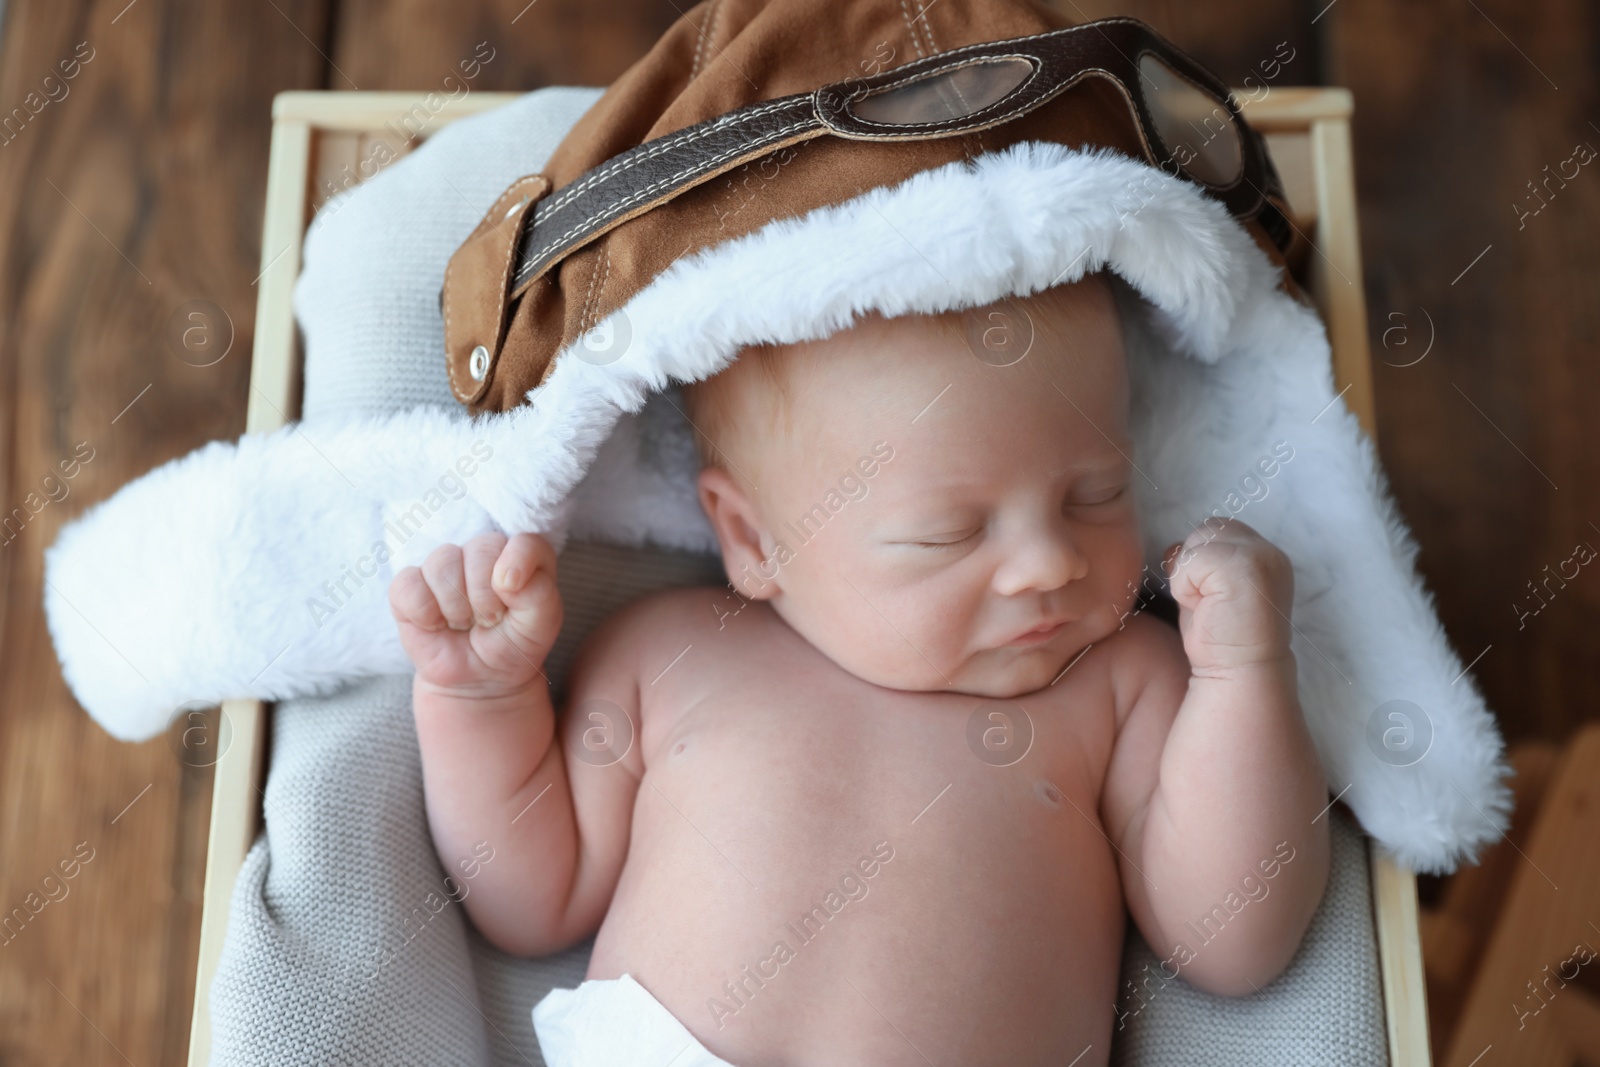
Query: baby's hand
[
  {"x": 477, "y": 620},
  {"x": 1234, "y": 589}
]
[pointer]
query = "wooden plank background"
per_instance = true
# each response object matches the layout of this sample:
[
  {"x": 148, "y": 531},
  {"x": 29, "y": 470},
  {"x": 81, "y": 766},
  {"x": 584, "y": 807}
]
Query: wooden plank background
[{"x": 139, "y": 192}]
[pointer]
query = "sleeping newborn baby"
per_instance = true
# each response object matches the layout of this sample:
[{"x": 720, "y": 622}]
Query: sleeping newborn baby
[{"x": 888, "y": 804}]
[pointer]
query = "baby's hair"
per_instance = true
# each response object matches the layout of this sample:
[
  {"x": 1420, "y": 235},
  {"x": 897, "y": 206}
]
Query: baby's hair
[
  {"x": 717, "y": 407},
  {"x": 711, "y": 402}
]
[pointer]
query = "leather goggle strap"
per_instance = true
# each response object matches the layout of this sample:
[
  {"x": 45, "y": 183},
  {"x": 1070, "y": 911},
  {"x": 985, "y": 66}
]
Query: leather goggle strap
[
  {"x": 477, "y": 287},
  {"x": 637, "y": 180}
]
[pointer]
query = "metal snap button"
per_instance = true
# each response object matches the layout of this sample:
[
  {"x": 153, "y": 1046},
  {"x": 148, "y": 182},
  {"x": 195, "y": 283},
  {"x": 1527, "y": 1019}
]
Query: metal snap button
[{"x": 478, "y": 365}]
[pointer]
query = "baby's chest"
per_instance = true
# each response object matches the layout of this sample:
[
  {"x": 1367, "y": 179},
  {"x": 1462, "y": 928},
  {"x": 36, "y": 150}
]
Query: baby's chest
[{"x": 795, "y": 748}]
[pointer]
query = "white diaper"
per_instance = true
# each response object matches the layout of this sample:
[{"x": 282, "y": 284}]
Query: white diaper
[{"x": 614, "y": 1023}]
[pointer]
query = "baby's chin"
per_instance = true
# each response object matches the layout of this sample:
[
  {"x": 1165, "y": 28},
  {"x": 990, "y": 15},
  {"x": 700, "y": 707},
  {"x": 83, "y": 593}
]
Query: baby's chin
[
  {"x": 999, "y": 673},
  {"x": 1013, "y": 671},
  {"x": 1005, "y": 673}
]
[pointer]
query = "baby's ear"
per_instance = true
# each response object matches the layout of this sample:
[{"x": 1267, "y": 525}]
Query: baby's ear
[{"x": 740, "y": 531}]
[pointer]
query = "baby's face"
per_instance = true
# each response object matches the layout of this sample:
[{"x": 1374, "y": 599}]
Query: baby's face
[{"x": 930, "y": 520}]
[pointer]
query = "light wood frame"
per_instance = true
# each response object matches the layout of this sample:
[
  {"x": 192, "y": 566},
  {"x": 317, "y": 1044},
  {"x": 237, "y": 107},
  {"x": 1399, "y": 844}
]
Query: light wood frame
[{"x": 1308, "y": 133}]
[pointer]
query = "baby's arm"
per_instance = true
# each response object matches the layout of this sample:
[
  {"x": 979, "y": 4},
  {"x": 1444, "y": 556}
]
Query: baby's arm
[
  {"x": 477, "y": 622},
  {"x": 1214, "y": 784}
]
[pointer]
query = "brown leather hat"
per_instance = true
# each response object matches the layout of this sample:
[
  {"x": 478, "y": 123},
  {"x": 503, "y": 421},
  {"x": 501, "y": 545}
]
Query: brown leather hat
[{"x": 748, "y": 112}]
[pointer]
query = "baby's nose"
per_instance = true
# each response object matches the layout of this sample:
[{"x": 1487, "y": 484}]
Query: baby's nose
[{"x": 1041, "y": 564}]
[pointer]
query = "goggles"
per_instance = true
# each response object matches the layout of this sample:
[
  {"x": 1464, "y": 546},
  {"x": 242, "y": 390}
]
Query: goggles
[{"x": 1188, "y": 123}]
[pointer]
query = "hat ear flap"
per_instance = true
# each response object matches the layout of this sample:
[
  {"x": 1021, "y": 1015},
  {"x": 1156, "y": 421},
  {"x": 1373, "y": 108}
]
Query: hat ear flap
[{"x": 258, "y": 568}]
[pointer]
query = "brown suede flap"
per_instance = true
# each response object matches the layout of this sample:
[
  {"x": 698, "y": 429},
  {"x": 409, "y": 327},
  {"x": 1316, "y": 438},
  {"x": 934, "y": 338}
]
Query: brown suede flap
[{"x": 476, "y": 285}]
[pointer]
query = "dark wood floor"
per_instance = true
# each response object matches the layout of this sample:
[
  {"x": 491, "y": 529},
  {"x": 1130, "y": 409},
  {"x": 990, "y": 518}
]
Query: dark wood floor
[{"x": 140, "y": 190}]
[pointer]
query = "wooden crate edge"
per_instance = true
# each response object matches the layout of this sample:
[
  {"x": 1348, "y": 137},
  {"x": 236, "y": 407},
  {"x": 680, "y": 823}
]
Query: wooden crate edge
[
  {"x": 1396, "y": 922},
  {"x": 273, "y": 375}
]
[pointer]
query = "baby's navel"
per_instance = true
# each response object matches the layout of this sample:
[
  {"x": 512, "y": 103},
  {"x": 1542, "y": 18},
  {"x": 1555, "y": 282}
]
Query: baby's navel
[
  {"x": 1048, "y": 794},
  {"x": 677, "y": 749}
]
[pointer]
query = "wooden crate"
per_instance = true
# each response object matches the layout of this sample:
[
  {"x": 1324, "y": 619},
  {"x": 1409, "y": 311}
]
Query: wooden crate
[{"x": 319, "y": 140}]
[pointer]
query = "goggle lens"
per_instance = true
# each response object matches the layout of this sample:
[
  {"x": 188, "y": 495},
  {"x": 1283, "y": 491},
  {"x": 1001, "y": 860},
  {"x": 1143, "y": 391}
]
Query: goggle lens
[
  {"x": 955, "y": 93},
  {"x": 1186, "y": 118}
]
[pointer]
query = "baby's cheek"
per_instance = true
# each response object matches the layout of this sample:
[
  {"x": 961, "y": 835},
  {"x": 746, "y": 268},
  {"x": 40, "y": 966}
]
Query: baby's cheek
[
  {"x": 1118, "y": 571},
  {"x": 918, "y": 636},
  {"x": 940, "y": 637},
  {"x": 1126, "y": 544},
  {"x": 947, "y": 621}
]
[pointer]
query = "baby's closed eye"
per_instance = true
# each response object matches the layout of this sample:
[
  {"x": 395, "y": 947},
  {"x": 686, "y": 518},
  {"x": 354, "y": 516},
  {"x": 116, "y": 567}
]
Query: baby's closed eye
[
  {"x": 1093, "y": 494},
  {"x": 935, "y": 528},
  {"x": 950, "y": 539}
]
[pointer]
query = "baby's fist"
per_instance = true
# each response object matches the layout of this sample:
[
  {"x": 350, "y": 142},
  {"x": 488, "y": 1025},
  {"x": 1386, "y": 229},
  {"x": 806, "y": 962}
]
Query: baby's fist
[
  {"x": 478, "y": 619},
  {"x": 1234, "y": 590}
]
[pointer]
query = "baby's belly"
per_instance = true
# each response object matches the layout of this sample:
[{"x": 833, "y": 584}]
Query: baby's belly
[{"x": 856, "y": 886}]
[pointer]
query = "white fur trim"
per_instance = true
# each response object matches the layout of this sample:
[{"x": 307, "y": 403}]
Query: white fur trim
[{"x": 198, "y": 608}]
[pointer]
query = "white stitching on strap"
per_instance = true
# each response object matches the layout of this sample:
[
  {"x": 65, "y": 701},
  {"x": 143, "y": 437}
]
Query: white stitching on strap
[
  {"x": 588, "y": 295},
  {"x": 927, "y": 25},
  {"x": 449, "y": 361},
  {"x": 711, "y": 39},
  {"x": 700, "y": 44},
  {"x": 916, "y": 42},
  {"x": 656, "y": 186},
  {"x": 600, "y": 291},
  {"x": 658, "y": 146}
]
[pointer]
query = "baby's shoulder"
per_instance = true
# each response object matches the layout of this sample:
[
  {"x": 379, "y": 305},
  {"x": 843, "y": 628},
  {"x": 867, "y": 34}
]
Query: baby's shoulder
[
  {"x": 665, "y": 616},
  {"x": 694, "y": 607},
  {"x": 1143, "y": 646},
  {"x": 637, "y": 641},
  {"x": 1146, "y": 652},
  {"x": 1146, "y": 639}
]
